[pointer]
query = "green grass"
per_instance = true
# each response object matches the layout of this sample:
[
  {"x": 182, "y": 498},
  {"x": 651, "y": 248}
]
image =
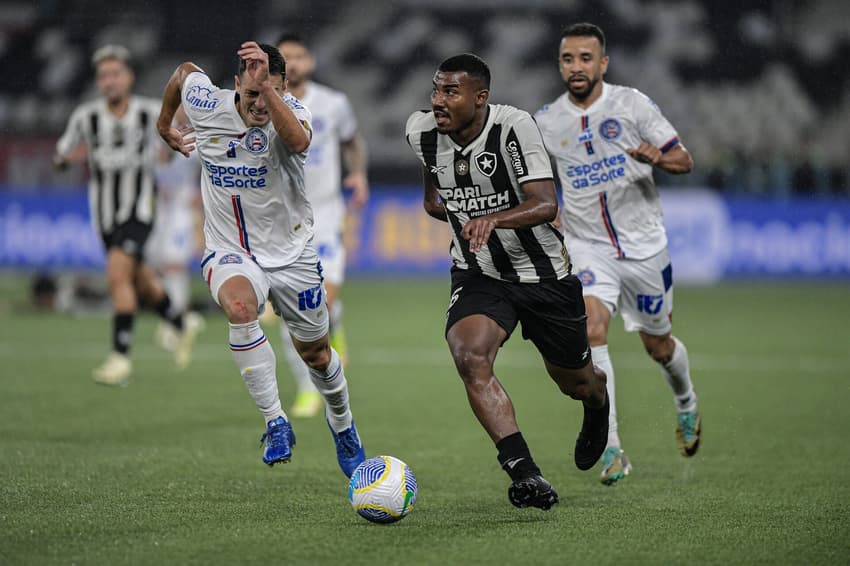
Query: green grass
[{"x": 168, "y": 470}]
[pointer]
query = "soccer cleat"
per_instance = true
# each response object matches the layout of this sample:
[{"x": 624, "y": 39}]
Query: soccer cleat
[
  {"x": 615, "y": 465},
  {"x": 193, "y": 324},
  {"x": 593, "y": 436},
  {"x": 307, "y": 404},
  {"x": 166, "y": 336},
  {"x": 279, "y": 440},
  {"x": 114, "y": 371},
  {"x": 688, "y": 432},
  {"x": 349, "y": 449},
  {"x": 532, "y": 491}
]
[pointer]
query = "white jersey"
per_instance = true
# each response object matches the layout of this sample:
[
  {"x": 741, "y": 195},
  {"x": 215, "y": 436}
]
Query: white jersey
[
  {"x": 608, "y": 197},
  {"x": 333, "y": 122},
  {"x": 252, "y": 186},
  {"x": 178, "y": 183},
  {"x": 121, "y": 157}
]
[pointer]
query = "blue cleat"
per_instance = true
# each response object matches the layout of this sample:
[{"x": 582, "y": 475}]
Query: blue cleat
[
  {"x": 279, "y": 440},
  {"x": 349, "y": 449}
]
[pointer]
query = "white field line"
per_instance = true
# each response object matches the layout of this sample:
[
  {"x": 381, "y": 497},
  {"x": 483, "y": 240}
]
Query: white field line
[{"x": 439, "y": 357}]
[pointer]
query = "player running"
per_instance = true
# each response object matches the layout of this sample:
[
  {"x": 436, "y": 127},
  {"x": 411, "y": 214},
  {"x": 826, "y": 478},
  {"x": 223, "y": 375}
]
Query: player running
[
  {"x": 486, "y": 173},
  {"x": 335, "y": 142},
  {"x": 118, "y": 132},
  {"x": 258, "y": 225},
  {"x": 605, "y": 139}
]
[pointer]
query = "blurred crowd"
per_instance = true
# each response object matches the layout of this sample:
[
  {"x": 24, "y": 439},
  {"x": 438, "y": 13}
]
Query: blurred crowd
[{"x": 759, "y": 90}]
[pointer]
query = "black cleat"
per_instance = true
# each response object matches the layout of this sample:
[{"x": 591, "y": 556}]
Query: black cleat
[
  {"x": 593, "y": 437},
  {"x": 532, "y": 491}
]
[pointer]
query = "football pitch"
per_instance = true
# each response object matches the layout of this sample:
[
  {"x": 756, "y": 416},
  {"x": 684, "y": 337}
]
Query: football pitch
[{"x": 168, "y": 470}]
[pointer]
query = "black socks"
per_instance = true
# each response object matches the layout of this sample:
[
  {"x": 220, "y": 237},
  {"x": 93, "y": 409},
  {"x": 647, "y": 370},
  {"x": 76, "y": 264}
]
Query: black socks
[{"x": 515, "y": 458}]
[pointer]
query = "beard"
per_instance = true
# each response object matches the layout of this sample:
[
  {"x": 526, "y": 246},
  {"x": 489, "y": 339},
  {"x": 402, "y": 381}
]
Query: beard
[{"x": 583, "y": 92}]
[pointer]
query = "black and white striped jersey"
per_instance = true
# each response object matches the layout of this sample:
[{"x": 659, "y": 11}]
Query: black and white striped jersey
[
  {"x": 121, "y": 157},
  {"x": 484, "y": 177}
]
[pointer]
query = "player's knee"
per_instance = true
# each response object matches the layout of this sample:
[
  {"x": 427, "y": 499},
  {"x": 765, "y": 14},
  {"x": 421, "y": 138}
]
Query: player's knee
[
  {"x": 471, "y": 365},
  {"x": 317, "y": 356},
  {"x": 240, "y": 312},
  {"x": 660, "y": 349},
  {"x": 586, "y": 384},
  {"x": 580, "y": 389},
  {"x": 597, "y": 333}
]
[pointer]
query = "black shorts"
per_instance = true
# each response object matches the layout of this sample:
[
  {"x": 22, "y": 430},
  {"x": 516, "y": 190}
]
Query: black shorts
[
  {"x": 129, "y": 237},
  {"x": 552, "y": 313}
]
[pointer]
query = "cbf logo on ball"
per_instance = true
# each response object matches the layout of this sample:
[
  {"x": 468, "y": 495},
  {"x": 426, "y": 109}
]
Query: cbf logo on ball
[{"x": 256, "y": 140}]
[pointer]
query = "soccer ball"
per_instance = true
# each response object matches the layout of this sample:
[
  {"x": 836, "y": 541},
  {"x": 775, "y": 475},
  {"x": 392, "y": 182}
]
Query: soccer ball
[{"x": 382, "y": 489}]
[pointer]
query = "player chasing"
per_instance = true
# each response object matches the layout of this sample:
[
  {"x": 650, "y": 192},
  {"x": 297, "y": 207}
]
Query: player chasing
[
  {"x": 252, "y": 142},
  {"x": 335, "y": 138},
  {"x": 605, "y": 139},
  {"x": 486, "y": 173},
  {"x": 118, "y": 132}
]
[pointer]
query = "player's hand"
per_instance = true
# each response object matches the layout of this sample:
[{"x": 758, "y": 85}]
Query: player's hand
[
  {"x": 557, "y": 222},
  {"x": 179, "y": 139},
  {"x": 257, "y": 61},
  {"x": 359, "y": 186},
  {"x": 646, "y": 153},
  {"x": 59, "y": 163},
  {"x": 478, "y": 231}
]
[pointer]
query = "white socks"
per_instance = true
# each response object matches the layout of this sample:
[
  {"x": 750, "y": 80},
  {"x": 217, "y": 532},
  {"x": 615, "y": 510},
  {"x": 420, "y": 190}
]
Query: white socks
[
  {"x": 677, "y": 374},
  {"x": 256, "y": 362},
  {"x": 335, "y": 315},
  {"x": 603, "y": 362},
  {"x": 176, "y": 284},
  {"x": 299, "y": 369},
  {"x": 333, "y": 387}
]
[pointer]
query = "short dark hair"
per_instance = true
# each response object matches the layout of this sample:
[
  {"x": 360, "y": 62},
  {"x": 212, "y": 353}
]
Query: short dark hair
[
  {"x": 471, "y": 64},
  {"x": 585, "y": 29},
  {"x": 291, "y": 37},
  {"x": 277, "y": 64}
]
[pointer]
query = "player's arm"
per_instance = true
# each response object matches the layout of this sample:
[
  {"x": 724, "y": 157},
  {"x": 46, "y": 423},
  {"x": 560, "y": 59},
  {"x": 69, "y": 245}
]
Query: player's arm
[
  {"x": 356, "y": 158},
  {"x": 676, "y": 160},
  {"x": 431, "y": 201},
  {"x": 289, "y": 129},
  {"x": 669, "y": 155},
  {"x": 539, "y": 207},
  {"x": 171, "y": 98},
  {"x": 70, "y": 147}
]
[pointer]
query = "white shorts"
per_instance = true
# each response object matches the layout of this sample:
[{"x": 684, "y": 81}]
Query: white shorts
[
  {"x": 172, "y": 240},
  {"x": 296, "y": 291},
  {"x": 331, "y": 251},
  {"x": 641, "y": 289}
]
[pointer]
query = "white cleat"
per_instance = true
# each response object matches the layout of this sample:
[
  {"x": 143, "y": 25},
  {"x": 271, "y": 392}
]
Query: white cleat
[
  {"x": 193, "y": 324},
  {"x": 114, "y": 371},
  {"x": 166, "y": 336}
]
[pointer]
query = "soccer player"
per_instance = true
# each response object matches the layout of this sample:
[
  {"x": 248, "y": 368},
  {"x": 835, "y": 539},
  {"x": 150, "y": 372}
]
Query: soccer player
[
  {"x": 605, "y": 140},
  {"x": 122, "y": 146},
  {"x": 172, "y": 241},
  {"x": 486, "y": 173},
  {"x": 252, "y": 142},
  {"x": 334, "y": 135}
]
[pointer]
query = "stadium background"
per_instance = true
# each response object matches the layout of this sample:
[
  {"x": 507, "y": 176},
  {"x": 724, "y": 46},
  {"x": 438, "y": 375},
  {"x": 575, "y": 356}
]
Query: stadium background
[
  {"x": 759, "y": 92},
  {"x": 167, "y": 470}
]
